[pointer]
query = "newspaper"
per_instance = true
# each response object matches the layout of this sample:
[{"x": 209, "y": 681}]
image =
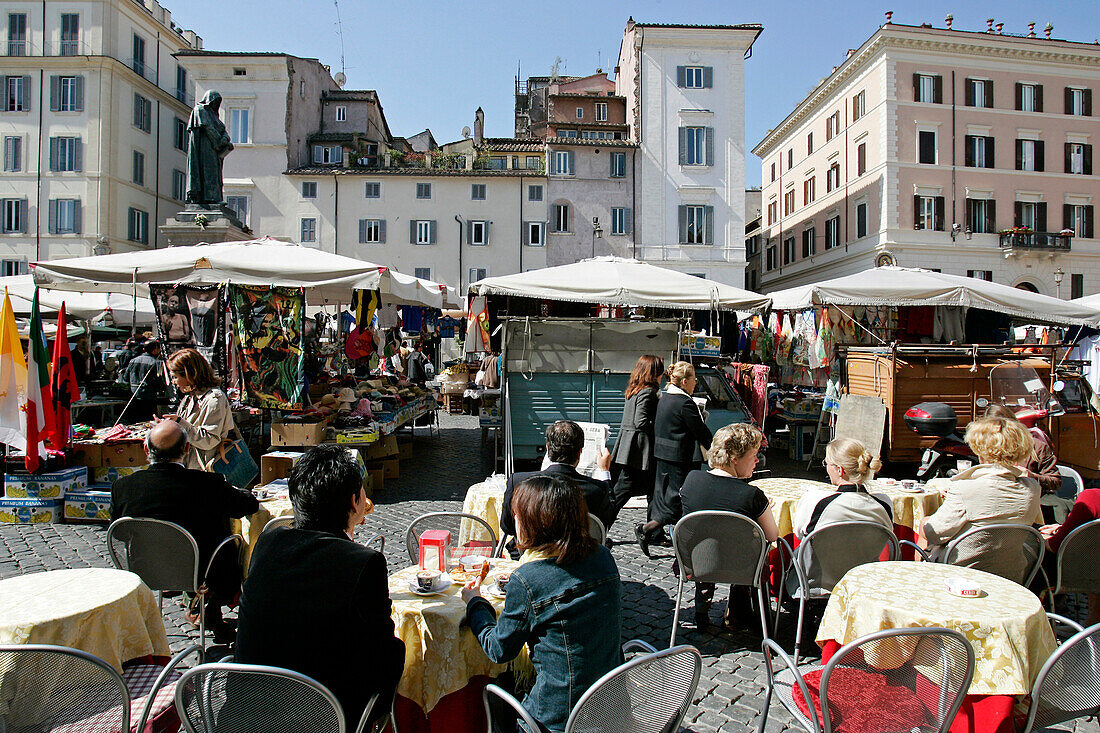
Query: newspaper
[{"x": 595, "y": 437}]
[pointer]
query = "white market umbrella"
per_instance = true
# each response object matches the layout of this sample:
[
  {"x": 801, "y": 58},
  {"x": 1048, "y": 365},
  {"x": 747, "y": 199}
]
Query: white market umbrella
[
  {"x": 328, "y": 278},
  {"x": 1091, "y": 301},
  {"x": 80, "y": 305},
  {"x": 625, "y": 282},
  {"x": 905, "y": 286}
]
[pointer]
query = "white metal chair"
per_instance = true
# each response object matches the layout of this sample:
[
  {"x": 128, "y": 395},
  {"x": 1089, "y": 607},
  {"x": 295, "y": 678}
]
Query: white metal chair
[
  {"x": 287, "y": 521},
  {"x": 885, "y": 668},
  {"x": 719, "y": 547},
  {"x": 596, "y": 528},
  {"x": 1072, "y": 482},
  {"x": 648, "y": 694},
  {"x": 59, "y": 687},
  {"x": 380, "y": 539},
  {"x": 997, "y": 539},
  {"x": 1068, "y": 684},
  {"x": 451, "y": 521},
  {"x": 826, "y": 554},
  {"x": 221, "y": 697},
  {"x": 166, "y": 558}
]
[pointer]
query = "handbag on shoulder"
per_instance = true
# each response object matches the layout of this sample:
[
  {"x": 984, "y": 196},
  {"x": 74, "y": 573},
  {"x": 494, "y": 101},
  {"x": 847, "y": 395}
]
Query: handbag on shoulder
[{"x": 235, "y": 461}]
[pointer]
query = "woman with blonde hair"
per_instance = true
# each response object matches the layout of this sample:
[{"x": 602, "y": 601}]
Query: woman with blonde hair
[
  {"x": 203, "y": 411},
  {"x": 679, "y": 431},
  {"x": 732, "y": 459},
  {"x": 996, "y": 491},
  {"x": 849, "y": 465}
]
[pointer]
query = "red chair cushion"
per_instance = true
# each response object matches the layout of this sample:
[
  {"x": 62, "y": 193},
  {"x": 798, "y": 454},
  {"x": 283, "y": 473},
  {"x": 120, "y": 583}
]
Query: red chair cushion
[{"x": 864, "y": 702}]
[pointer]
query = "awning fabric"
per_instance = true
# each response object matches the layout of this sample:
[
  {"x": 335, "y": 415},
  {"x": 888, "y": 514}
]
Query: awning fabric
[
  {"x": 901, "y": 286},
  {"x": 625, "y": 282}
]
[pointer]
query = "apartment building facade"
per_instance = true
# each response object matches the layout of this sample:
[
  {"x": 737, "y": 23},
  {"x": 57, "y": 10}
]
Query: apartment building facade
[
  {"x": 684, "y": 89},
  {"x": 93, "y": 123},
  {"x": 966, "y": 152}
]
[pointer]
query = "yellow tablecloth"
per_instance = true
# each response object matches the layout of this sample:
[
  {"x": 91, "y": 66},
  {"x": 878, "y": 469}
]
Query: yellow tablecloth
[
  {"x": 1006, "y": 626},
  {"x": 250, "y": 527},
  {"x": 910, "y": 509},
  {"x": 482, "y": 500},
  {"x": 441, "y": 657},
  {"x": 108, "y": 613}
]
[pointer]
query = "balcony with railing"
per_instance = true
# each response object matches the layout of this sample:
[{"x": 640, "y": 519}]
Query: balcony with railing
[{"x": 1026, "y": 239}]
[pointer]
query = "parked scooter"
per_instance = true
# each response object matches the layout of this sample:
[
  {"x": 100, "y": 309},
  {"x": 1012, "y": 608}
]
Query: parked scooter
[{"x": 1015, "y": 385}]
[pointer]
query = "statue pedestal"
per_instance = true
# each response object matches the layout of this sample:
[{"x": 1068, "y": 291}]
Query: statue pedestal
[{"x": 219, "y": 224}]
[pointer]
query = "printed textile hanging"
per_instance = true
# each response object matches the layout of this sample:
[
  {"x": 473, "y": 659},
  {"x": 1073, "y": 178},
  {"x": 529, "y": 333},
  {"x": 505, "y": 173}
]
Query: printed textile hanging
[
  {"x": 268, "y": 324},
  {"x": 190, "y": 317}
]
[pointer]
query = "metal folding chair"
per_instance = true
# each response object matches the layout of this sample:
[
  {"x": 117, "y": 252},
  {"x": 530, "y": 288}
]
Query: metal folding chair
[
  {"x": 1068, "y": 684},
  {"x": 1072, "y": 483},
  {"x": 907, "y": 679},
  {"x": 213, "y": 698},
  {"x": 450, "y": 521},
  {"x": 596, "y": 528},
  {"x": 1077, "y": 568},
  {"x": 287, "y": 521},
  {"x": 166, "y": 558},
  {"x": 651, "y": 693},
  {"x": 997, "y": 540},
  {"x": 826, "y": 554},
  {"x": 719, "y": 547}
]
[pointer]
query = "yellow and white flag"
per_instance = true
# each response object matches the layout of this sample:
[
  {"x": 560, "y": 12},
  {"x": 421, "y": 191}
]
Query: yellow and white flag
[{"x": 13, "y": 381}]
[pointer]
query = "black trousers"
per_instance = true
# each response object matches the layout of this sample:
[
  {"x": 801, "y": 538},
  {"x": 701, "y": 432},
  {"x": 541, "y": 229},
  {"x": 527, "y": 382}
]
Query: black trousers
[{"x": 629, "y": 483}]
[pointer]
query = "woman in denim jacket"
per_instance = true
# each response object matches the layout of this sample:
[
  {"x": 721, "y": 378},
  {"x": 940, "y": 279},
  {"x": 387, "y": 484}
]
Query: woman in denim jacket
[{"x": 564, "y": 602}]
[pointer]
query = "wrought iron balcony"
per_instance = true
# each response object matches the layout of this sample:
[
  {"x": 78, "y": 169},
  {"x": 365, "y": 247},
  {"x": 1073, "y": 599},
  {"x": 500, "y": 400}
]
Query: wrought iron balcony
[{"x": 1036, "y": 240}]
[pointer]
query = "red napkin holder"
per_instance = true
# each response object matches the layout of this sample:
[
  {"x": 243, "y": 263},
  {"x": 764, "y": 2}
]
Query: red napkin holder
[{"x": 435, "y": 550}]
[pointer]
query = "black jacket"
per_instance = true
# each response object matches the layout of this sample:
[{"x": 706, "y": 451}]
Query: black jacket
[
  {"x": 319, "y": 604},
  {"x": 199, "y": 501},
  {"x": 634, "y": 447},
  {"x": 596, "y": 493},
  {"x": 415, "y": 369},
  {"x": 679, "y": 430}
]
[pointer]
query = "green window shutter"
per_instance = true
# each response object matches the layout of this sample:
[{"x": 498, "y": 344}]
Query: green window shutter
[
  {"x": 1041, "y": 216},
  {"x": 572, "y": 156},
  {"x": 52, "y": 225},
  {"x": 55, "y": 93},
  {"x": 937, "y": 89},
  {"x": 318, "y": 153},
  {"x": 78, "y": 155},
  {"x": 23, "y": 216},
  {"x": 362, "y": 231},
  {"x": 708, "y": 77},
  {"x": 525, "y": 233},
  {"x": 989, "y": 94},
  {"x": 412, "y": 231},
  {"x": 1088, "y": 222},
  {"x": 710, "y": 145},
  {"x": 469, "y": 232},
  {"x": 989, "y": 152},
  {"x": 708, "y": 231},
  {"x": 916, "y": 212},
  {"x": 938, "y": 211},
  {"x": 1069, "y": 157},
  {"x": 916, "y": 87},
  {"x": 382, "y": 231},
  {"x": 1019, "y": 96},
  {"x": 968, "y": 150},
  {"x": 1088, "y": 103},
  {"x": 1019, "y": 155},
  {"x": 27, "y": 96},
  {"x": 80, "y": 93},
  {"x": 968, "y": 93},
  {"x": 1069, "y": 100},
  {"x": 991, "y": 215},
  {"x": 54, "y": 144},
  {"x": 1038, "y": 97},
  {"x": 431, "y": 232},
  {"x": 628, "y": 221},
  {"x": 683, "y": 216},
  {"x": 681, "y": 76},
  {"x": 1088, "y": 160},
  {"x": 683, "y": 145},
  {"x": 1067, "y": 216},
  {"x": 487, "y": 224}
]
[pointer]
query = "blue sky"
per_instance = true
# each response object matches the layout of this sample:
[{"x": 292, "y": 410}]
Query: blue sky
[{"x": 433, "y": 64}]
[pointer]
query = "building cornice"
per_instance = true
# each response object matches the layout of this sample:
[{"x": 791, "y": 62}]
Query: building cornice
[{"x": 936, "y": 42}]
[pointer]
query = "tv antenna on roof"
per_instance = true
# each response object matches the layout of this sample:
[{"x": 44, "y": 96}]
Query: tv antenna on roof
[{"x": 340, "y": 33}]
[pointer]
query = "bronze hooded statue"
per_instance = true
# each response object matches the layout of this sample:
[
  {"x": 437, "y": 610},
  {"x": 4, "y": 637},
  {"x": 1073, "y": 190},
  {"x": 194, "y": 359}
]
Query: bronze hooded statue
[{"x": 208, "y": 143}]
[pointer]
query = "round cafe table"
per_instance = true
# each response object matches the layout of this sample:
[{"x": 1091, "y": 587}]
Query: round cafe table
[
  {"x": 108, "y": 613},
  {"x": 1006, "y": 626},
  {"x": 250, "y": 527},
  {"x": 445, "y": 667},
  {"x": 483, "y": 500}
]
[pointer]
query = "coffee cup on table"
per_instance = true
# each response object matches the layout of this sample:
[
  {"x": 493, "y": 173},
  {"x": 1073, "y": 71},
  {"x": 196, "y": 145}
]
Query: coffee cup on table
[
  {"x": 426, "y": 580},
  {"x": 502, "y": 581},
  {"x": 472, "y": 565}
]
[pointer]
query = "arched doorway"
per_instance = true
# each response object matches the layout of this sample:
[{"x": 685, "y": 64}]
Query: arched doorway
[{"x": 1025, "y": 285}]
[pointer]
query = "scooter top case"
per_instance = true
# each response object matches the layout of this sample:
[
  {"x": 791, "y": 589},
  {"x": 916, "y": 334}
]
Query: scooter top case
[{"x": 932, "y": 418}]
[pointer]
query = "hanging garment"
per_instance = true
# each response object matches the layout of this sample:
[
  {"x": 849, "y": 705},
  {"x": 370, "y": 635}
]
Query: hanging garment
[
  {"x": 949, "y": 324},
  {"x": 388, "y": 316},
  {"x": 823, "y": 345},
  {"x": 1087, "y": 350},
  {"x": 759, "y": 397},
  {"x": 412, "y": 318},
  {"x": 268, "y": 325},
  {"x": 190, "y": 317}
]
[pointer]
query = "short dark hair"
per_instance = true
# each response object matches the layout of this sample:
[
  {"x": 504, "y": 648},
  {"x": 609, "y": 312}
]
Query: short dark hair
[
  {"x": 564, "y": 441},
  {"x": 151, "y": 346},
  {"x": 166, "y": 453},
  {"x": 553, "y": 515},
  {"x": 322, "y": 485}
]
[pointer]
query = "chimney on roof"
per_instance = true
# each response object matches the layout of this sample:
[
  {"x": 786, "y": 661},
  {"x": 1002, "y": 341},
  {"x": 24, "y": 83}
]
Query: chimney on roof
[
  {"x": 479, "y": 126},
  {"x": 949, "y": 20},
  {"x": 849, "y": 54},
  {"x": 1031, "y": 29},
  {"x": 1000, "y": 27},
  {"x": 1047, "y": 30},
  {"x": 889, "y": 15},
  {"x": 989, "y": 25}
]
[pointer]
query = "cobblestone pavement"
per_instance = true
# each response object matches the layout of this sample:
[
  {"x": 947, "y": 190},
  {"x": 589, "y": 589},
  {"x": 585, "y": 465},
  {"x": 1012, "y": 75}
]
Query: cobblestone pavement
[{"x": 444, "y": 466}]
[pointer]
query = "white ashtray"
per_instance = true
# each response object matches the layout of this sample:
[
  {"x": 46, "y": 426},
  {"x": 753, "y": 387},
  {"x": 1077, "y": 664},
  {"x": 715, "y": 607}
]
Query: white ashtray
[{"x": 963, "y": 588}]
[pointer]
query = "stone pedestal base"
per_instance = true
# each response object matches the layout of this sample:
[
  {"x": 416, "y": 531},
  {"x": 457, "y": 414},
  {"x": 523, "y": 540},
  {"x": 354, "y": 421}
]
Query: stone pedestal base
[{"x": 221, "y": 225}]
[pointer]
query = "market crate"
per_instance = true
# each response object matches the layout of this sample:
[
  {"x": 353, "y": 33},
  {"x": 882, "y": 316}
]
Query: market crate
[
  {"x": 92, "y": 506},
  {"x": 454, "y": 404},
  {"x": 15, "y": 510},
  {"x": 109, "y": 474},
  {"x": 52, "y": 485}
]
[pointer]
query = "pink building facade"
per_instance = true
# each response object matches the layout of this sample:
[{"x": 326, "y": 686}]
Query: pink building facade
[{"x": 970, "y": 153}]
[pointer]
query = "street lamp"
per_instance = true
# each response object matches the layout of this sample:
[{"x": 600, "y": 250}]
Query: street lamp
[
  {"x": 1058, "y": 275},
  {"x": 597, "y": 231}
]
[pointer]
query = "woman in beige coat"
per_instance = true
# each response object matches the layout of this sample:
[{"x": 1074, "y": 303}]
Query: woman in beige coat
[{"x": 204, "y": 411}]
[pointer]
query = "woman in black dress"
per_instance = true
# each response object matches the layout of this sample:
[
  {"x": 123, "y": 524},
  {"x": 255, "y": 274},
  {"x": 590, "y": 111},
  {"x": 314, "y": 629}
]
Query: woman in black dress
[
  {"x": 679, "y": 433},
  {"x": 632, "y": 456}
]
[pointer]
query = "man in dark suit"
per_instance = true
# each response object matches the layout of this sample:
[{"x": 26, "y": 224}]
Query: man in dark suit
[
  {"x": 564, "y": 443},
  {"x": 315, "y": 600},
  {"x": 199, "y": 501}
]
